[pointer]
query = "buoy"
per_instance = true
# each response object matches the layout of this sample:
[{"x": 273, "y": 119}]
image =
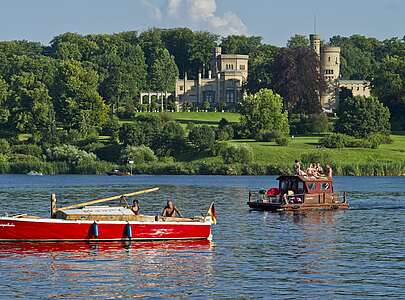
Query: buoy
[
  {"x": 95, "y": 230},
  {"x": 128, "y": 230}
]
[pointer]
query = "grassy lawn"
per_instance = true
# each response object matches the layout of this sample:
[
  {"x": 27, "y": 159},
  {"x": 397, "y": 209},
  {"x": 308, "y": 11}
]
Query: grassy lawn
[
  {"x": 202, "y": 117},
  {"x": 270, "y": 153}
]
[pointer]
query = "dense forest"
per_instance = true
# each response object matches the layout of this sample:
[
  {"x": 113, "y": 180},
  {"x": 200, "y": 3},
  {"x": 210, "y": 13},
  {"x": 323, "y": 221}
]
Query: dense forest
[{"x": 79, "y": 86}]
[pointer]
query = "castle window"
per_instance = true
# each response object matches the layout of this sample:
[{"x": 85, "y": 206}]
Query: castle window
[
  {"x": 358, "y": 88},
  {"x": 329, "y": 58},
  {"x": 230, "y": 96},
  {"x": 181, "y": 88},
  {"x": 242, "y": 67}
]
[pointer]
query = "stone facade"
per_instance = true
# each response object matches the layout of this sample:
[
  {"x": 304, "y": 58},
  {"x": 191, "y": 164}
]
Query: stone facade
[
  {"x": 223, "y": 85},
  {"x": 330, "y": 69}
]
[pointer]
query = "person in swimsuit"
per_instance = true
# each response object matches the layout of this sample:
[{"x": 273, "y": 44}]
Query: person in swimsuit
[
  {"x": 171, "y": 210},
  {"x": 135, "y": 207}
]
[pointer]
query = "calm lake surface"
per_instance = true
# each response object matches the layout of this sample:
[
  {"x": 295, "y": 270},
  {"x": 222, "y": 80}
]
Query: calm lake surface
[{"x": 353, "y": 254}]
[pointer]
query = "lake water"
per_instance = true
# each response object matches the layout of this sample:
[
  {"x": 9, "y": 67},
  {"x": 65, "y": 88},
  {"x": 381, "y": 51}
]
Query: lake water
[{"x": 353, "y": 254}]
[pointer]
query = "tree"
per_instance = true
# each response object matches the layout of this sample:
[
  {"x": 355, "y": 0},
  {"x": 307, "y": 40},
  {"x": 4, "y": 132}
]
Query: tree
[
  {"x": 202, "y": 137},
  {"x": 178, "y": 41},
  {"x": 298, "y": 41},
  {"x": 297, "y": 79},
  {"x": 4, "y": 110},
  {"x": 264, "y": 111},
  {"x": 77, "y": 102},
  {"x": 132, "y": 134},
  {"x": 361, "y": 117},
  {"x": 164, "y": 72},
  {"x": 358, "y": 56},
  {"x": 240, "y": 44},
  {"x": 137, "y": 154},
  {"x": 389, "y": 86},
  {"x": 261, "y": 72},
  {"x": 237, "y": 154},
  {"x": 31, "y": 107},
  {"x": 170, "y": 140}
]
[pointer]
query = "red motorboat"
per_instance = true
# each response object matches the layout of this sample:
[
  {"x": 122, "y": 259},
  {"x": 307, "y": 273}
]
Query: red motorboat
[{"x": 82, "y": 222}]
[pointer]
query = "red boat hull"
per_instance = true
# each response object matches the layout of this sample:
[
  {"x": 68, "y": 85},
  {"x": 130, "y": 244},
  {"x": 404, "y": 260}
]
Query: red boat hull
[{"x": 55, "y": 230}]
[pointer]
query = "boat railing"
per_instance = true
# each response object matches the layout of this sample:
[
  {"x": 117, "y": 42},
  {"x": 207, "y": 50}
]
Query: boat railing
[
  {"x": 261, "y": 196},
  {"x": 340, "y": 197}
]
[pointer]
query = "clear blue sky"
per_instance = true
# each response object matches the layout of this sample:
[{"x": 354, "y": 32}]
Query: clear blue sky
[{"x": 275, "y": 20}]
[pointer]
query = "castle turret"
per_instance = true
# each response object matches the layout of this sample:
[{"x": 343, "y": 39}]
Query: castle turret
[
  {"x": 315, "y": 41},
  {"x": 330, "y": 63}
]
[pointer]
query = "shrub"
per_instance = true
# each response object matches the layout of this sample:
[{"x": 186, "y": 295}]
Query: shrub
[
  {"x": 360, "y": 117},
  {"x": 282, "y": 141},
  {"x": 132, "y": 134},
  {"x": 30, "y": 149},
  {"x": 70, "y": 154},
  {"x": 335, "y": 140},
  {"x": 112, "y": 128},
  {"x": 306, "y": 124},
  {"x": 109, "y": 152},
  {"x": 358, "y": 143},
  {"x": 269, "y": 136},
  {"x": 237, "y": 154},
  {"x": 138, "y": 154},
  {"x": 4, "y": 147},
  {"x": 202, "y": 137}
]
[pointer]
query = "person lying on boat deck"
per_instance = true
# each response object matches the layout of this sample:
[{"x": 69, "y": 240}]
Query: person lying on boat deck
[
  {"x": 171, "y": 210},
  {"x": 135, "y": 207}
]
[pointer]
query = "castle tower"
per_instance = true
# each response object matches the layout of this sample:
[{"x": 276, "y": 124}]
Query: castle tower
[
  {"x": 330, "y": 70},
  {"x": 315, "y": 41},
  {"x": 330, "y": 63}
]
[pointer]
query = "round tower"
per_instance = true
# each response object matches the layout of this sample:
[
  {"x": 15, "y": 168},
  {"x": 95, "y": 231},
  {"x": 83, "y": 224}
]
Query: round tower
[
  {"x": 315, "y": 41},
  {"x": 330, "y": 63}
]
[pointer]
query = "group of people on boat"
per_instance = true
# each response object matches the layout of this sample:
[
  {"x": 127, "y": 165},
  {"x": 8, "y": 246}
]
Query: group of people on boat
[
  {"x": 170, "y": 210},
  {"x": 314, "y": 170}
]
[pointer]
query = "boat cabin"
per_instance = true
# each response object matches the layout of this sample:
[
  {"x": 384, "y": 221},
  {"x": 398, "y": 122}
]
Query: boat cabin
[{"x": 298, "y": 192}]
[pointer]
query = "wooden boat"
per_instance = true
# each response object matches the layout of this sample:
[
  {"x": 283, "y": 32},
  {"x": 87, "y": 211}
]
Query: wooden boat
[
  {"x": 84, "y": 222},
  {"x": 119, "y": 173},
  {"x": 296, "y": 193}
]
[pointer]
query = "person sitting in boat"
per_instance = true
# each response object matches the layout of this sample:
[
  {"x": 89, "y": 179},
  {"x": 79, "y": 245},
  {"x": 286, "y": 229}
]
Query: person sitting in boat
[
  {"x": 311, "y": 171},
  {"x": 297, "y": 168},
  {"x": 329, "y": 171},
  {"x": 135, "y": 207},
  {"x": 171, "y": 210},
  {"x": 319, "y": 170}
]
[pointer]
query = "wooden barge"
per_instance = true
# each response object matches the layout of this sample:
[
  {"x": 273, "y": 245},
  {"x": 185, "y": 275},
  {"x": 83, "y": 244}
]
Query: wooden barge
[{"x": 298, "y": 193}]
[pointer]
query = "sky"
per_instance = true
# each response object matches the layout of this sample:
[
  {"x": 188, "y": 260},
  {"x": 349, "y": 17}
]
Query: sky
[{"x": 275, "y": 20}]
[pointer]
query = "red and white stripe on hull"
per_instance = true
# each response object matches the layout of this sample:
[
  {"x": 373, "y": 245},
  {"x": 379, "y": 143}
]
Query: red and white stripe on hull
[{"x": 57, "y": 230}]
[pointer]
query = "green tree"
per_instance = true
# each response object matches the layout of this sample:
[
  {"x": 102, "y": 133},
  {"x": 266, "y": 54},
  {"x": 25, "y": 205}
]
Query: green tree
[
  {"x": 361, "y": 117},
  {"x": 78, "y": 105},
  {"x": 170, "y": 140},
  {"x": 240, "y": 44},
  {"x": 31, "y": 107},
  {"x": 264, "y": 111},
  {"x": 261, "y": 72},
  {"x": 164, "y": 72},
  {"x": 132, "y": 134},
  {"x": 137, "y": 154},
  {"x": 389, "y": 86},
  {"x": 202, "y": 137},
  {"x": 298, "y": 41},
  {"x": 4, "y": 109}
]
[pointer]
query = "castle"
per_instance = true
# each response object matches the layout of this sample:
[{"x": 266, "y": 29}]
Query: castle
[
  {"x": 330, "y": 69},
  {"x": 222, "y": 85}
]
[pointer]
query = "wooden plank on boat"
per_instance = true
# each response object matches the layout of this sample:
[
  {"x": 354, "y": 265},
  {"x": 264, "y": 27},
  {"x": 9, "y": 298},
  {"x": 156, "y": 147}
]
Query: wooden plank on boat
[{"x": 96, "y": 201}]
